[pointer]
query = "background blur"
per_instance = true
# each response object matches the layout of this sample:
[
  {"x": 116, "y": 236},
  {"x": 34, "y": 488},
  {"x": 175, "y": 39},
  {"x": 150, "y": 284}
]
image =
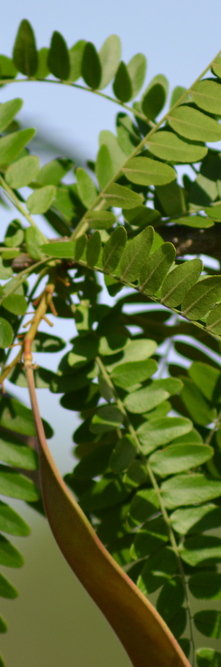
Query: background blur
[{"x": 53, "y": 622}]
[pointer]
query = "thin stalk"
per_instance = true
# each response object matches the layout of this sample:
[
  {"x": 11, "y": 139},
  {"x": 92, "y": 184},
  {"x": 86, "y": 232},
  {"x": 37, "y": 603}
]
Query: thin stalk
[
  {"x": 153, "y": 480},
  {"x": 214, "y": 429}
]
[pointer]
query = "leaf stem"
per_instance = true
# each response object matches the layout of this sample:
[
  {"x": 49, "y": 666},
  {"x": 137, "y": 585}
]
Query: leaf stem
[{"x": 14, "y": 200}]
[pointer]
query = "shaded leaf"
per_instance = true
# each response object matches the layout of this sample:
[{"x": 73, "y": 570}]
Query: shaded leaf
[
  {"x": 13, "y": 452},
  {"x": 11, "y": 522},
  {"x": 208, "y": 622},
  {"x": 9, "y": 556},
  {"x": 135, "y": 254},
  {"x": 208, "y": 657},
  {"x": 123, "y": 454},
  {"x": 205, "y": 587},
  {"x": 106, "y": 493},
  {"x": 6, "y": 333},
  {"x": 171, "y": 598},
  {"x": 100, "y": 219},
  {"x": 15, "y": 303},
  {"x": 201, "y": 550},
  {"x": 207, "y": 379},
  {"x": 155, "y": 96},
  {"x": 6, "y": 589},
  {"x": 14, "y": 485},
  {"x": 58, "y": 57},
  {"x": 93, "y": 249},
  {"x": 42, "y": 69},
  {"x": 104, "y": 167},
  {"x": 122, "y": 85},
  {"x": 91, "y": 66},
  {"x": 156, "y": 268},
  {"x": 202, "y": 297},
  {"x": 144, "y": 504},
  {"x": 113, "y": 249},
  {"x": 34, "y": 240},
  {"x": 117, "y": 156},
  {"x": 196, "y": 519},
  {"x": 213, "y": 321},
  {"x": 158, "y": 569},
  {"x": 107, "y": 418},
  {"x": 179, "y": 281},
  {"x": 25, "y": 55}
]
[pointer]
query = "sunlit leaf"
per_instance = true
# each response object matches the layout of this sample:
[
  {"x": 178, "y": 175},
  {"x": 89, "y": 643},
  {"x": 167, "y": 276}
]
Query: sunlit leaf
[
  {"x": 137, "y": 70},
  {"x": 13, "y": 144},
  {"x": 41, "y": 199},
  {"x": 177, "y": 458},
  {"x": 109, "y": 55},
  {"x": 22, "y": 172},
  {"x": 156, "y": 268},
  {"x": 179, "y": 281},
  {"x": 189, "y": 490},
  {"x": 144, "y": 171},
  {"x": 207, "y": 95},
  {"x": 194, "y": 124},
  {"x": 169, "y": 147},
  {"x": 202, "y": 297},
  {"x": 6, "y": 333},
  {"x": 8, "y": 111}
]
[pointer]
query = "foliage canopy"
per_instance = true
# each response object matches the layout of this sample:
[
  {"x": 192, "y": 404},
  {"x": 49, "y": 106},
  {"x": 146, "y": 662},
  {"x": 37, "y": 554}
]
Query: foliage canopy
[{"x": 144, "y": 372}]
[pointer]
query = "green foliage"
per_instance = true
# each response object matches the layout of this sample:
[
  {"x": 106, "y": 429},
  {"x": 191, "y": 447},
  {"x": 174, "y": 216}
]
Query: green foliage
[{"x": 148, "y": 447}]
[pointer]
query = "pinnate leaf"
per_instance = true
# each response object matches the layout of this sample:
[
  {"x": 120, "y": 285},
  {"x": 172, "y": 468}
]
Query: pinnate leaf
[
  {"x": 135, "y": 255},
  {"x": 6, "y": 333},
  {"x": 177, "y": 458},
  {"x": 155, "y": 96},
  {"x": 113, "y": 249},
  {"x": 76, "y": 56},
  {"x": 189, "y": 490},
  {"x": 86, "y": 187},
  {"x": 200, "y": 299},
  {"x": 11, "y": 522},
  {"x": 121, "y": 197}
]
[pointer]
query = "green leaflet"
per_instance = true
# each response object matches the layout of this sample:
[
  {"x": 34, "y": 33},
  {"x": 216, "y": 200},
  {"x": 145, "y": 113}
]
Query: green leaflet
[
  {"x": 93, "y": 249},
  {"x": 207, "y": 95},
  {"x": 105, "y": 493},
  {"x": 168, "y": 146},
  {"x": 42, "y": 69},
  {"x": 40, "y": 200},
  {"x": 196, "y": 519},
  {"x": 109, "y": 55},
  {"x": 207, "y": 379},
  {"x": 6, "y": 333},
  {"x": 179, "y": 281},
  {"x": 17, "y": 486},
  {"x": 8, "y": 111},
  {"x": 53, "y": 172},
  {"x": 201, "y": 550},
  {"x": 104, "y": 167},
  {"x": 22, "y": 172},
  {"x": 145, "y": 399},
  {"x": 15, "y": 303},
  {"x": 129, "y": 374},
  {"x": 172, "y": 198},
  {"x": 208, "y": 622},
  {"x": 178, "y": 458},
  {"x": 6, "y": 589},
  {"x": 156, "y": 268},
  {"x": 123, "y": 454},
  {"x": 13, "y": 144},
  {"x": 135, "y": 254},
  {"x": 75, "y": 58},
  {"x": 15, "y": 454},
  {"x": 91, "y": 66},
  {"x": 202, "y": 297},
  {"x": 86, "y": 188},
  {"x": 208, "y": 657},
  {"x": 34, "y": 239},
  {"x": 11, "y": 522},
  {"x": 127, "y": 133},
  {"x": 113, "y": 249},
  {"x": 214, "y": 211},
  {"x": 63, "y": 250},
  {"x": 9, "y": 556},
  {"x": 198, "y": 221},
  {"x": 3, "y": 628},
  {"x": 58, "y": 57},
  {"x": 137, "y": 71},
  {"x": 122, "y": 85},
  {"x": 144, "y": 171},
  {"x": 213, "y": 321},
  {"x": 171, "y": 599},
  {"x": 206, "y": 588},
  {"x": 159, "y": 568},
  {"x": 7, "y": 68},
  {"x": 198, "y": 408},
  {"x": 189, "y": 490},
  {"x": 25, "y": 54},
  {"x": 155, "y": 96},
  {"x": 100, "y": 219},
  {"x": 194, "y": 124},
  {"x": 117, "y": 156},
  {"x": 158, "y": 432}
]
